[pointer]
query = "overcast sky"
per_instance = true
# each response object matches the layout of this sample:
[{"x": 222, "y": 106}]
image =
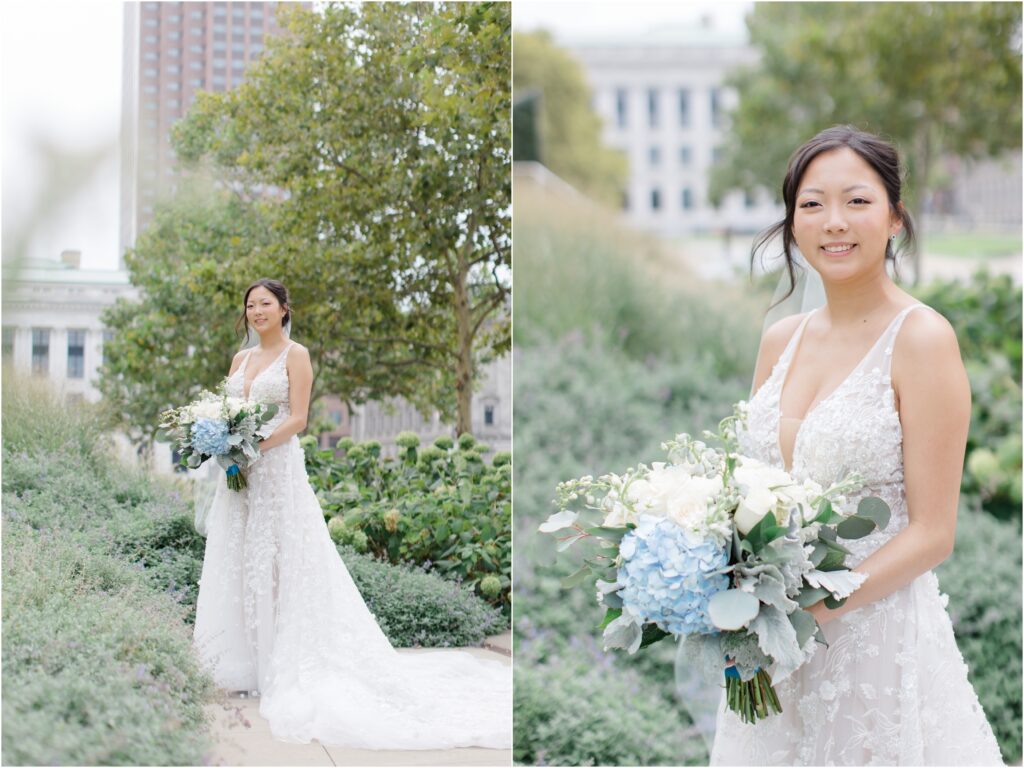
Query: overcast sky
[
  {"x": 61, "y": 85},
  {"x": 572, "y": 21}
]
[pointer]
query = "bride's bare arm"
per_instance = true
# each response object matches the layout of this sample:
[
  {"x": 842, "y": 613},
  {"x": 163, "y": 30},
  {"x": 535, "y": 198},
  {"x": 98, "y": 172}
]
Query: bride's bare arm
[
  {"x": 300, "y": 386},
  {"x": 934, "y": 400}
]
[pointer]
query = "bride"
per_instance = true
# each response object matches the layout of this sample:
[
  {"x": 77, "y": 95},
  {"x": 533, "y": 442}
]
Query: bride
[
  {"x": 872, "y": 381},
  {"x": 278, "y": 612}
]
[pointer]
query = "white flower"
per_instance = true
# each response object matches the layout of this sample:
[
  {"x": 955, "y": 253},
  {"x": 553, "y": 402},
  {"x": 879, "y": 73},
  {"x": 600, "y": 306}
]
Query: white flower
[
  {"x": 753, "y": 507},
  {"x": 236, "y": 404},
  {"x": 670, "y": 491},
  {"x": 205, "y": 409}
]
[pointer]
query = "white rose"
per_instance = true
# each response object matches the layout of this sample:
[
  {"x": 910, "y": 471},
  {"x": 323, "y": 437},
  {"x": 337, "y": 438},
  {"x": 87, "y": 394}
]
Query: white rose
[
  {"x": 753, "y": 507},
  {"x": 205, "y": 409}
]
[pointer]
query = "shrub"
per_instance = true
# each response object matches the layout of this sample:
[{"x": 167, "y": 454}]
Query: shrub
[
  {"x": 983, "y": 581},
  {"x": 577, "y": 711},
  {"x": 97, "y": 668},
  {"x": 416, "y": 608},
  {"x": 986, "y": 314},
  {"x": 447, "y": 510}
]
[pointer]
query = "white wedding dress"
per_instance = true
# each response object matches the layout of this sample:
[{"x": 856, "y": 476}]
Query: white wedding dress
[
  {"x": 891, "y": 688},
  {"x": 278, "y": 613}
]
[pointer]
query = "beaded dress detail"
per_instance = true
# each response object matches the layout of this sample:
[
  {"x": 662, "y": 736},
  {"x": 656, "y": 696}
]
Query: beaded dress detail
[
  {"x": 891, "y": 688},
  {"x": 279, "y": 613}
]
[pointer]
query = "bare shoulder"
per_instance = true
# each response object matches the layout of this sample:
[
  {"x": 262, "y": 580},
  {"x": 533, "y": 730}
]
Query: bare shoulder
[
  {"x": 777, "y": 336},
  {"x": 236, "y": 361},
  {"x": 773, "y": 343},
  {"x": 298, "y": 353},
  {"x": 925, "y": 337}
]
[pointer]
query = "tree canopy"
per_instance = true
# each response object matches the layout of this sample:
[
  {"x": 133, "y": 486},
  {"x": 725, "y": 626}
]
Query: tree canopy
[
  {"x": 567, "y": 130},
  {"x": 937, "y": 78},
  {"x": 365, "y": 163}
]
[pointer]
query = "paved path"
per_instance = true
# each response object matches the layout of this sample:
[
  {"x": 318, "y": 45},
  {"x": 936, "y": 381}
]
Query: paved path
[{"x": 243, "y": 737}]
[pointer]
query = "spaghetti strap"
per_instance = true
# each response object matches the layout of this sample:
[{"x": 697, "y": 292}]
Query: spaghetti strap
[{"x": 787, "y": 353}]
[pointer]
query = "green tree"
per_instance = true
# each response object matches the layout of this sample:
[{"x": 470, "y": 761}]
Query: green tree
[
  {"x": 937, "y": 78},
  {"x": 568, "y": 129},
  {"x": 367, "y": 158}
]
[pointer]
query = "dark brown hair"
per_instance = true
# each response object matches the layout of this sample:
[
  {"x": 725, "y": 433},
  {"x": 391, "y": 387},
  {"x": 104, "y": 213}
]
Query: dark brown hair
[
  {"x": 881, "y": 155},
  {"x": 275, "y": 287}
]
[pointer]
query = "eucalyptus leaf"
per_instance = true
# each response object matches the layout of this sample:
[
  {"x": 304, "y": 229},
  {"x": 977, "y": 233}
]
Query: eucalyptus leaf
[
  {"x": 811, "y": 595},
  {"x": 577, "y": 577},
  {"x": 855, "y": 527},
  {"x": 567, "y": 542},
  {"x": 732, "y": 609},
  {"x": 818, "y": 553},
  {"x": 805, "y": 626},
  {"x": 874, "y": 509}
]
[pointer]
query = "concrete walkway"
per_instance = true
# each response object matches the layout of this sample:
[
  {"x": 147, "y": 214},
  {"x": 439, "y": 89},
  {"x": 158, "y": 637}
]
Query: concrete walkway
[{"x": 243, "y": 737}]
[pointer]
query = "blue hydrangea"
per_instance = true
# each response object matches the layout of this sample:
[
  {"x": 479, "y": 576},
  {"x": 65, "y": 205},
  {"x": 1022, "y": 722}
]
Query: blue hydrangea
[
  {"x": 210, "y": 436},
  {"x": 665, "y": 576}
]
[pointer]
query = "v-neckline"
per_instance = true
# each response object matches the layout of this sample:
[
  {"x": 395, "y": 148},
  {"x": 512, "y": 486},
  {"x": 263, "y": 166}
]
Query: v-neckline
[
  {"x": 245, "y": 365},
  {"x": 814, "y": 406}
]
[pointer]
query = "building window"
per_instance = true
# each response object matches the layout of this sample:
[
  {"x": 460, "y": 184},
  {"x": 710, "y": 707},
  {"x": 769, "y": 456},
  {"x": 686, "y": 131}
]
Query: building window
[
  {"x": 684, "y": 108},
  {"x": 174, "y": 18},
  {"x": 219, "y": 11},
  {"x": 41, "y": 350},
  {"x": 219, "y": 80},
  {"x": 685, "y": 156},
  {"x": 716, "y": 155},
  {"x": 749, "y": 200},
  {"x": 8, "y": 347},
  {"x": 238, "y": 12},
  {"x": 237, "y": 46},
  {"x": 197, "y": 31},
  {"x": 716, "y": 107},
  {"x": 652, "y": 108},
  {"x": 687, "y": 199},
  {"x": 195, "y": 64},
  {"x": 195, "y": 48},
  {"x": 220, "y": 45},
  {"x": 655, "y": 199},
  {"x": 149, "y": 56},
  {"x": 219, "y": 64},
  {"x": 489, "y": 415},
  {"x": 654, "y": 155},
  {"x": 174, "y": 53},
  {"x": 149, "y": 89},
  {"x": 196, "y": 82},
  {"x": 621, "y": 103},
  {"x": 174, "y": 35},
  {"x": 236, "y": 80},
  {"x": 255, "y": 13},
  {"x": 150, "y": 38},
  {"x": 238, "y": 64},
  {"x": 255, "y": 48},
  {"x": 172, "y": 69},
  {"x": 198, "y": 15},
  {"x": 149, "y": 71},
  {"x": 76, "y": 354},
  {"x": 150, "y": 106},
  {"x": 151, "y": 22},
  {"x": 173, "y": 103}
]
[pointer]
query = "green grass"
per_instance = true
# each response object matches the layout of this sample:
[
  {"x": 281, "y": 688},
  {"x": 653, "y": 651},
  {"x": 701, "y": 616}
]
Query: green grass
[{"x": 972, "y": 245}]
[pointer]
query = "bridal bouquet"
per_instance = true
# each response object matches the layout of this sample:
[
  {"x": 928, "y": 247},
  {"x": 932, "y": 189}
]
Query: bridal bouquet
[
  {"x": 217, "y": 426},
  {"x": 720, "y": 550}
]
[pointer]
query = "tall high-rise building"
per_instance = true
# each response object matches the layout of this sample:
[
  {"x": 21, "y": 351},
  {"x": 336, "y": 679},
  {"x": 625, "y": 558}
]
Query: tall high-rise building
[{"x": 171, "y": 51}]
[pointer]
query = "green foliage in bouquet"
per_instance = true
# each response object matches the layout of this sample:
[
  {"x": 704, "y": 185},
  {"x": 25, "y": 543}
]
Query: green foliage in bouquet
[
  {"x": 438, "y": 505},
  {"x": 986, "y": 314}
]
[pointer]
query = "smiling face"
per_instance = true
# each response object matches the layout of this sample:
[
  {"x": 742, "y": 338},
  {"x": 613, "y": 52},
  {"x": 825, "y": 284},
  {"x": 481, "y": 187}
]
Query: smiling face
[
  {"x": 843, "y": 218},
  {"x": 262, "y": 310}
]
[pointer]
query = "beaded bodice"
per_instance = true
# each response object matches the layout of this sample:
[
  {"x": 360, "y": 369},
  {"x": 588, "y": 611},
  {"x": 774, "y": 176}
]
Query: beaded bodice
[
  {"x": 270, "y": 386},
  {"x": 855, "y": 428}
]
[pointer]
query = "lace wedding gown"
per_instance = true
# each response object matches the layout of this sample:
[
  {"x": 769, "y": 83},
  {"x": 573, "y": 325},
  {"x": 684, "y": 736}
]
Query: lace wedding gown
[
  {"x": 891, "y": 688},
  {"x": 279, "y": 613}
]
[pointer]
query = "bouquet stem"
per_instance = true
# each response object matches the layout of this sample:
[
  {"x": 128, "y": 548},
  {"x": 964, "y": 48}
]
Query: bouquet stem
[
  {"x": 236, "y": 480},
  {"x": 752, "y": 700}
]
